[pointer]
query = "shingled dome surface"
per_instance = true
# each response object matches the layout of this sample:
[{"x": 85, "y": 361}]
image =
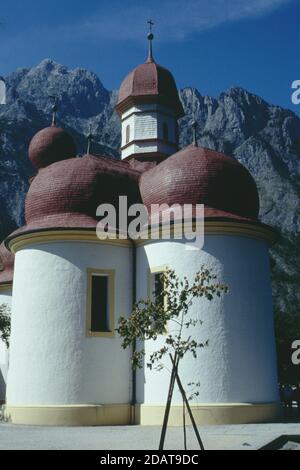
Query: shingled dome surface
[
  {"x": 67, "y": 193},
  {"x": 51, "y": 145},
  {"x": 197, "y": 175},
  {"x": 150, "y": 82}
]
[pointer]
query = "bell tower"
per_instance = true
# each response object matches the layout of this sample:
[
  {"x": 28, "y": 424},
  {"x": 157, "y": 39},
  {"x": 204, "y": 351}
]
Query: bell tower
[{"x": 149, "y": 108}]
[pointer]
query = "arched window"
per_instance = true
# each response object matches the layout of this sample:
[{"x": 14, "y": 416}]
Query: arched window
[
  {"x": 127, "y": 134},
  {"x": 165, "y": 131}
]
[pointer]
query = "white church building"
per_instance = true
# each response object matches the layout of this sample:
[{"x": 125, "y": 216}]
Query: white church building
[{"x": 67, "y": 288}]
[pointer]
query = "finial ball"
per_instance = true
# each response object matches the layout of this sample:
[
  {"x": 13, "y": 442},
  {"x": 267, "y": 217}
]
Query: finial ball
[{"x": 150, "y": 36}]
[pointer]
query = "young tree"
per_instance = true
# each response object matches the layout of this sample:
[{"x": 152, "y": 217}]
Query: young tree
[
  {"x": 152, "y": 318},
  {"x": 5, "y": 323}
]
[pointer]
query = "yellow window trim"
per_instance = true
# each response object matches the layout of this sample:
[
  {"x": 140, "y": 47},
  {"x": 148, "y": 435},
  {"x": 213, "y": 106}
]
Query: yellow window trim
[
  {"x": 151, "y": 271},
  {"x": 110, "y": 273},
  {"x": 7, "y": 286}
]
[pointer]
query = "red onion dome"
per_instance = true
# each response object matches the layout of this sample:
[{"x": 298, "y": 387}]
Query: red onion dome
[
  {"x": 198, "y": 175},
  {"x": 67, "y": 193},
  {"x": 51, "y": 145},
  {"x": 7, "y": 260},
  {"x": 149, "y": 82}
]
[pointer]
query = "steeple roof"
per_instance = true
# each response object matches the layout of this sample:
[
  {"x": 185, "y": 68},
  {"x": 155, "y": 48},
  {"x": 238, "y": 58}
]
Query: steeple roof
[{"x": 149, "y": 82}]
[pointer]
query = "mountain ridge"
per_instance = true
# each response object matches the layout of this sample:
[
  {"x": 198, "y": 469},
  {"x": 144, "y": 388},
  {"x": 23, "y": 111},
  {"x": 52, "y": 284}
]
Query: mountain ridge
[{"x": 263, "y": 137}]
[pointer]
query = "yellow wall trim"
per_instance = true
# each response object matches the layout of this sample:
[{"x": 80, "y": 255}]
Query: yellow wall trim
[
  {"x": 261, "y": 232},
  {"x": 150, "y": 415},
  {"x": 69, "y": 415},
  {"x": 24, "y": 240},
  {"x": 252, "y": 230},
  {"x": 211, "y": 414}
]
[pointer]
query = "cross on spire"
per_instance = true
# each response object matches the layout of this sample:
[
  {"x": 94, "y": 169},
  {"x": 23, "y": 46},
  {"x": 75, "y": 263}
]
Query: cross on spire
[
  {"x": 150, "y": 23},
  {"x": 54, "y": 109},
  {"x": 150, "y": 39},
  {"x": 194, "y": 123},
  {"x": 89, "y": 140},
  {"x": 194, "y": 128}
]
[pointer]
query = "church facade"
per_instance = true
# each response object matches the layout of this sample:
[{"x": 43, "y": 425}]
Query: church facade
[{"x": 67, "y": 288}]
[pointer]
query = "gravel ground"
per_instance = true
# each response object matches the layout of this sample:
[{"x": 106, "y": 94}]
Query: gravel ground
[{"x": 248, "y": 436}]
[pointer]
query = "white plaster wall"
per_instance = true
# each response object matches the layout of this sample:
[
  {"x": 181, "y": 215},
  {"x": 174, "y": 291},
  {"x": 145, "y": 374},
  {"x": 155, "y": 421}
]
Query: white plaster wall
[
  {"x": 147, "y": 123},
  {"x": 145, "y": 126},
  {"x": 5, "y": 298},
  {"x": 150, "y": 126},
  {"x": 51, "y": 359},
  {"x": 239, "y": 365},
  {"x": 148, "y": 147}
]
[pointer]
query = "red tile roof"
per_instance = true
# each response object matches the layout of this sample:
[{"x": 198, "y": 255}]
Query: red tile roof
[
  {"x": 197, "y": 175},
  {"x": 67, "y": 193},
  {"x": 150, "y": 82},
  {"x": 50, "y": 145}
]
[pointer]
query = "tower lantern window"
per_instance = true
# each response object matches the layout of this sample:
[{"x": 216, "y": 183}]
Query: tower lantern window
[{"x": 127, "y": 134}]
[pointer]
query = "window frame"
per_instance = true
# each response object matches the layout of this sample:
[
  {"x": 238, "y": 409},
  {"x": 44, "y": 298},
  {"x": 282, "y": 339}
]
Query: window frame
[
  {"x": 110, "y": 274},
  {"x": 151, "y": 279},
  {"x": 151, "y": 273}
]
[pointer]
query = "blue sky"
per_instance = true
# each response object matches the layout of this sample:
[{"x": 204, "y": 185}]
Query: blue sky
[{"x": 208, "y": 44}]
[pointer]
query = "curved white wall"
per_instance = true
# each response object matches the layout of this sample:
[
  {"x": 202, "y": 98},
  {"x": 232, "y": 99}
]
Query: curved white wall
[
  {"x": 239, "y": 365},
  {"x": 5, "y": 298},
  {"x": 51, "y": 359}
]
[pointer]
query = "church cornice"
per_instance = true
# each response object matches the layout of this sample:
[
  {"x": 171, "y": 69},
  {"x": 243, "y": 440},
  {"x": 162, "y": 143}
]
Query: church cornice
[
  {"x": 131, "y": 101},
  {"x": 143, "y": 141},
  {"x": 51, "y": 236},
  {"x": 147, "y": 111},
  {"x": 255, "y": 230}
]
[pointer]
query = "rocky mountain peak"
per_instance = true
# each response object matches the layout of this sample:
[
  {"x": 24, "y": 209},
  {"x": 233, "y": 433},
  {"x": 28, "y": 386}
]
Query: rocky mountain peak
[
  {"x": 80, "y": 92},
  {"x": 263, "y": 137}
]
